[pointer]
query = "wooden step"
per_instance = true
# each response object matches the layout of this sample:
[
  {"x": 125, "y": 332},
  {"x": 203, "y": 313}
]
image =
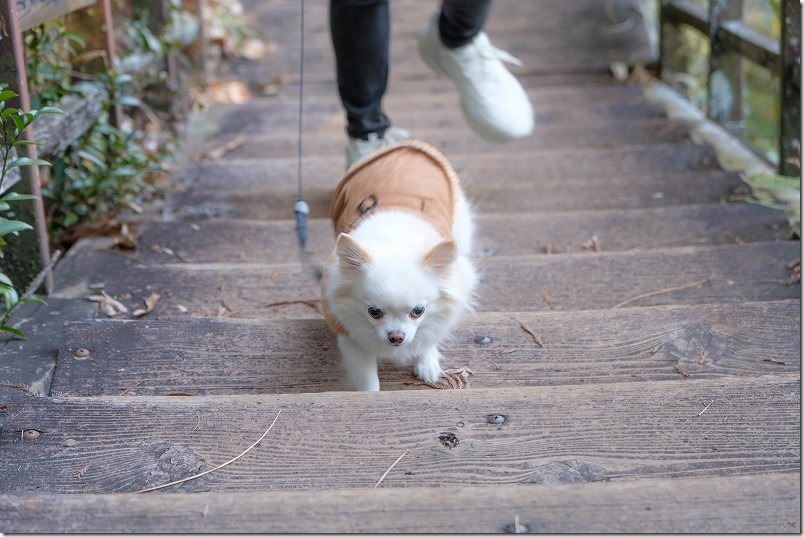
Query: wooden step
[
  {"x": 453, "y": 438},
  {"x": 684, "y": 275},
  {"x": 430, "y": 104},
  {"x": 268, "y": 189},
  {"x": 218, "y": 356},
  {"x": 765, "y": 503},
  {"x": 266, "y": 241},
  {"x": 278, "y": 143}
]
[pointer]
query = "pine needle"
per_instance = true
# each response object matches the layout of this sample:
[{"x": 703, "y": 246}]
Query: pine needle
[
  {"x": 227, "y": 463},
  {"x": 377, "y": 484},
  {"x": 661, "y": 292}
]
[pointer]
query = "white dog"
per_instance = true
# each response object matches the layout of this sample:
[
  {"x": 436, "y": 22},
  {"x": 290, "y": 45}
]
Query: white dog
[{"x": 400, "y": 277}]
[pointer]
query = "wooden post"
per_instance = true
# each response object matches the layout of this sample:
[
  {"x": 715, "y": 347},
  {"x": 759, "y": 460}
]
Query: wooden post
[
  {"x": 790, "y": 102},
  {"x": 30, "y": 252},
  {"x": 116, "y": 118},
  {"x": 725, "y": 69}
]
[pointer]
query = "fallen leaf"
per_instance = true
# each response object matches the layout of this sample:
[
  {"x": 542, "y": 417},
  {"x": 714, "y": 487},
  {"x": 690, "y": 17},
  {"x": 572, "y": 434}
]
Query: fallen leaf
[
  {"x": 108, "y": 305},
  {"x": 150, "y": 304}
]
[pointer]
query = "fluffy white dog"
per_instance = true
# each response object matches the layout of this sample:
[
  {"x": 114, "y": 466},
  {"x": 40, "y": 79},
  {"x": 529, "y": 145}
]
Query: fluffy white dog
[{"x": 400, "y": 277}]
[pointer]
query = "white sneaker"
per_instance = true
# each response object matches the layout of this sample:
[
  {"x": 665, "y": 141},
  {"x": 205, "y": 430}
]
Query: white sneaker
[
  {"x": 493, "y": 101},
  {"x": 357, "y": 149}
]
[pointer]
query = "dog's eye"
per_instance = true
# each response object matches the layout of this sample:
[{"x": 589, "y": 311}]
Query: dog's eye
[
  {"x": 417, "y": 312},
  {"x": 375, "y": 312}
]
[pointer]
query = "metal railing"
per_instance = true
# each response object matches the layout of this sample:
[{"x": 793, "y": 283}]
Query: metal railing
[{"x": 731, "y": 41}]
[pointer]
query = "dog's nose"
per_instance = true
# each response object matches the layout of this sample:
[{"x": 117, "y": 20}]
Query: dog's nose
[{"x": 396, "y": 337}]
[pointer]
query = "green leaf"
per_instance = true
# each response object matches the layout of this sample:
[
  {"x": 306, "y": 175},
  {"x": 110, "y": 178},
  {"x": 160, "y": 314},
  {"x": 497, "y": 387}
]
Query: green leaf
[
  {"x": 25, "y": 161},
  {"x": 5, "y": 280},
  {"x": 12, "y": 226},
  {"x": 50, "y": 110},
  {"x": 16, "y": 331},
  {"x": 33, "y": 299},
  {"x": 19, "y": 123},
  {"x": 129, "y": 100},
  {"x": 6, "y": 95},
  {"x": 16, "y": 196}
]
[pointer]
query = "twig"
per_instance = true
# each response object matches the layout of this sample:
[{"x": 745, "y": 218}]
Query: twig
[
  {"x": 661, "y": 292},
  {"x": 707, "y": 406},
  {"x": 124, "y": 392},
  {"x": 533, "y": 334},
  {"x": 227, "y": 463},
  {"x": 312, "y": 303},
  {"x": 31, "y": 289},
  {"x": 377, "y": 484}
]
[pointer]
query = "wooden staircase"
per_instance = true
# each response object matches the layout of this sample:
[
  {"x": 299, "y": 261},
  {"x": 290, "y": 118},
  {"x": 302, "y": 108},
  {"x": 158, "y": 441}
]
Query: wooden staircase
[{"x": 659, "y": 390}]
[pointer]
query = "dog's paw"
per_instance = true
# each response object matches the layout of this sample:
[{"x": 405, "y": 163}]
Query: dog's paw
[{"x": 428, "y": 370}]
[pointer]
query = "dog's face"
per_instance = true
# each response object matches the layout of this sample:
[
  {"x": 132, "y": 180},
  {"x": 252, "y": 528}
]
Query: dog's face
[{"x": 393, "y": 302}]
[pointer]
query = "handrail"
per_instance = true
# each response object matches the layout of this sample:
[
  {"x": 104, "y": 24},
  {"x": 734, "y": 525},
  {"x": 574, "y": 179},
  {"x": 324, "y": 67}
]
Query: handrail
[
  {"x": 32, "y": 13},
  {"x": 728, "y": 34}
]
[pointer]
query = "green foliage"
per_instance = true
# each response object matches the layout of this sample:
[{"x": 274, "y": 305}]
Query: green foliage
[
  {"x": 110, "y": 166},
  {"x": 13, "y": 122}
]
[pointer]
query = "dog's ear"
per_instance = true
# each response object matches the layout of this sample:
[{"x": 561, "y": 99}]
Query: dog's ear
[
  {"x": 441, "y": 256},
  {"x": 350, "y": 252}
]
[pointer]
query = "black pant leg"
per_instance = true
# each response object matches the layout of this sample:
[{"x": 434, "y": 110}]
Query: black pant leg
[
  {"x": 461, "y": 20},
  {"x": 360, "y": 31}
]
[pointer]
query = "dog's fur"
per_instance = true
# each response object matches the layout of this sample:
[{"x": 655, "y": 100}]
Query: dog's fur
[{"x": 397, "y": 262}]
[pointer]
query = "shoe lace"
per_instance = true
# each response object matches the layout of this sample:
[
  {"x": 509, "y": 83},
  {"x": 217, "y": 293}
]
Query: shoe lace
[{"x": 487, "y": 51}]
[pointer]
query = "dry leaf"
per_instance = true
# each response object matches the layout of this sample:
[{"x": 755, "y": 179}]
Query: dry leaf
[
  {"x": 108, "y": 305},
  {"x": 150, "y": 304}
]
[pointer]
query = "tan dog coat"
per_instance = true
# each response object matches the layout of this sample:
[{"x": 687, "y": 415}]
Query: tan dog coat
[{"x": 409, "y": 176}]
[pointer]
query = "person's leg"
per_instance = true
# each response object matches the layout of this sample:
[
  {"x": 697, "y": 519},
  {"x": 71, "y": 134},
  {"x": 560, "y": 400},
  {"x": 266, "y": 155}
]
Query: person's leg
[
  {"x": 494, "y": 103},
  {"x": 460, "y": 21},
  {"x": 360, "y": 31}
]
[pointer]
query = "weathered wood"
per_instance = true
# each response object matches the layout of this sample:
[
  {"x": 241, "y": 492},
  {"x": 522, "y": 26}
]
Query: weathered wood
[
  {"x": 745, "y": 504},
  {"x": 215, "y": 356},
  {"x": 551, "y": 181},
  {"x": 733, "y": 274},
  {"x": 550, "y": 435},
  {"x": 55, "y": 132},
  {"x": 31, "y": 361},
  {"x": 35, "y": 12},
  {"x": 277, "y": 143},
  {"x": 227, "y": 241}
]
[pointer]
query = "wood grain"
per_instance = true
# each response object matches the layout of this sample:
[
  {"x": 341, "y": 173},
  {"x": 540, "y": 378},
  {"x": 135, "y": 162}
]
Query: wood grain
[
  {"x": 208, "y": 356},
  {"x": 219, "y": 240},
  {"x": 735, "y": 273},
  {"x": 746, "y": 504},
  {"x": 35, "y": 12},
  {"x": 550, "y": 435}
]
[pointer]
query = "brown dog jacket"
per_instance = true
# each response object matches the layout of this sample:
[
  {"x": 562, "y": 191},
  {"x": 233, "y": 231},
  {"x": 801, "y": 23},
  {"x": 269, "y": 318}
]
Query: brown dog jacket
[{"x": 409, "y": 176}]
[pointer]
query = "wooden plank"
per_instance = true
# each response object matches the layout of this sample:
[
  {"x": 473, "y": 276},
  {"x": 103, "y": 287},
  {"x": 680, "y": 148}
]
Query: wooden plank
[
  {"x": 30, "y": 362},
  {"x": 55, "y": 132},
  {"x": 745, "y": 504},
  {"x": 216, "y": 356},
  {"x": 341, "y": 440},
  {"x": 227, "y": 241},
  {"x": 418, "y": 100},
  {"x": 600, "y": 179},
  {"x": 584, "y": 39},
  {"x": 35, "y": 12},
  {"x": 733, "y": 274},
  {"x": 278, "y": 143}
]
